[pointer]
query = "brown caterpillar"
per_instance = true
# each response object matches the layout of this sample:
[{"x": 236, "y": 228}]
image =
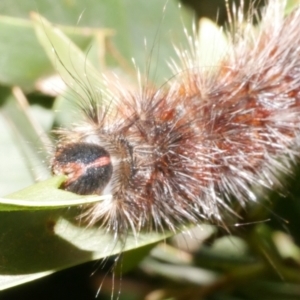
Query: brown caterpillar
[{"x": 177, "y": 155}]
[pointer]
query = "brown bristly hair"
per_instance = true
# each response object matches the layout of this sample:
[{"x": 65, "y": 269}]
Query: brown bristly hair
[{"x": 181, "y": 153}]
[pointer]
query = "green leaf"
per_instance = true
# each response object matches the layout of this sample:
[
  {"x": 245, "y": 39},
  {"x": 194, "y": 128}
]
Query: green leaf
[
  {"x": 132, "y": 258},
  {"x": 10, "y": 179},
  {"x": 34, "y": 244},
  {"x": 23, "y": 60},
  {"x": 45, "y": 195},
  {"x": 32, "y": 141},
  {"x": 69, "y": 61}
]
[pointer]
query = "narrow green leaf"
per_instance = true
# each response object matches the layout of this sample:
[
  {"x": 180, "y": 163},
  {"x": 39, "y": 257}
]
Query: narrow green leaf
[
  {"x": 45, "y": 195},
  {"x": 31, "y": 140},
  {"x": 23, "y": 61},
  {"x": 70, "y": 62}
]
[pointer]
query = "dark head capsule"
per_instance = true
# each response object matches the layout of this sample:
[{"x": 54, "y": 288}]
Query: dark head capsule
[{"x": 88, "y": 167}]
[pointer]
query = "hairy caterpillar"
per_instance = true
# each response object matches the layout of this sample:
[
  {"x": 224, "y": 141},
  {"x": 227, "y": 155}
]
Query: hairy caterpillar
[{"x": 176, "y": 155}]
